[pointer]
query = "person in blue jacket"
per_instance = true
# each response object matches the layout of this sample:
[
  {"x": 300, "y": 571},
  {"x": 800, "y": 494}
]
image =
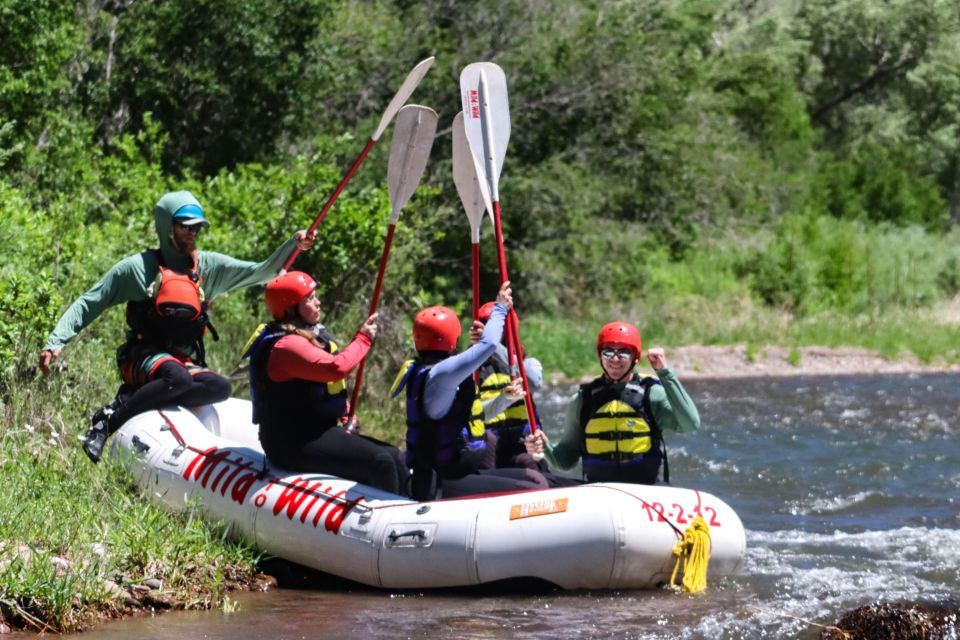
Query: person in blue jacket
[{"x": 446, "y": 439}]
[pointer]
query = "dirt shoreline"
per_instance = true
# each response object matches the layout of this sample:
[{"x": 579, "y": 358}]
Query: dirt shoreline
[
  {"x": 700, "y": 362},
  {"x": 737, "y": 361}
]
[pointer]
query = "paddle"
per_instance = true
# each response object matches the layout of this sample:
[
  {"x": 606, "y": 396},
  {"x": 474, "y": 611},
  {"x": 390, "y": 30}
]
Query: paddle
[
  {"x": 409, "y": 84},
  {"x": 470, "y": 190},
  {"x": 486, "y": 121},
  {"x": 409, "y": 151},
  {"x": 487, "y": 129}
]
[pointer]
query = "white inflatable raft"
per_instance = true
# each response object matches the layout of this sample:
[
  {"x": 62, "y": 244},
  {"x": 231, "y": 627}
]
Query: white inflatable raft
[{"x": 599, "y": 536}]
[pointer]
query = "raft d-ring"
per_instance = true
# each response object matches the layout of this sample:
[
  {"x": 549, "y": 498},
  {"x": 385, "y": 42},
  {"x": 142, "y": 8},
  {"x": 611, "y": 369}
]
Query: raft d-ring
[{"x": 422, "y": 510}]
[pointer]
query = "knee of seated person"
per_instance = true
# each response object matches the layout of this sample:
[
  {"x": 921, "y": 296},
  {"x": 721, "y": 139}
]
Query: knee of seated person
[
  {"x": 218, "y": 386},
  {"x": 383, "y": 460},
  {"x": 537, "y": 478},
  {"x": 176, "y": 376}
]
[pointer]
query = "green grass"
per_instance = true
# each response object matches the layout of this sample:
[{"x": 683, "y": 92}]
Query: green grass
[{"x": 68, "y": 527}]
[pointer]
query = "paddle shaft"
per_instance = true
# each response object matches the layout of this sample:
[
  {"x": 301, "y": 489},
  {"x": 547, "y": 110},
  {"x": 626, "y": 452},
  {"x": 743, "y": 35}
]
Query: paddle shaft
[
  {"x": 333, "y": 198},
  {"x": 475, "y": 262},
  {"x": 513, "y": 325},
  {"x": 374, "y": 303},
  {"x": 476, "y": 279}
]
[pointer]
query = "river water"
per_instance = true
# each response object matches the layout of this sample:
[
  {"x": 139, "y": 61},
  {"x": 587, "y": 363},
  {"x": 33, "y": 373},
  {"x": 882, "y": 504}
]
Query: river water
[{"x": 848, "y": 489}]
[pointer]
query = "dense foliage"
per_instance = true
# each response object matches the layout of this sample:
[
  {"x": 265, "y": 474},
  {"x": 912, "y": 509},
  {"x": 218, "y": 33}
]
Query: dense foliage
[
  {"x": 636, "y": 127},
  {"x": 811, "y": 148}
]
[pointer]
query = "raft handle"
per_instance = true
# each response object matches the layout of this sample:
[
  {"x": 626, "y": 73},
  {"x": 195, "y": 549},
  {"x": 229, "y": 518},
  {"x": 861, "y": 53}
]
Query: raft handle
[
  {"x": 140, "y": 445},
  {"x": 418, "y": 533},
  {"x": 411, "y": 536}
]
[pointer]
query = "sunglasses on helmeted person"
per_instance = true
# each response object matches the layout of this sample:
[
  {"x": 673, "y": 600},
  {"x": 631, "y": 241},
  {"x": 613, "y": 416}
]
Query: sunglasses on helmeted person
[{"x": 618, "y": 354}]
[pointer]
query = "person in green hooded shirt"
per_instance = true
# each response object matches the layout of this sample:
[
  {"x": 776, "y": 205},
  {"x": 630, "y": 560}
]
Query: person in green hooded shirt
[{"x": 166, "y": 291}]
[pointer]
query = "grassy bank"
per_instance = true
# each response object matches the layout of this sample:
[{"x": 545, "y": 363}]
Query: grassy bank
[{"x": 77, "y": 542}]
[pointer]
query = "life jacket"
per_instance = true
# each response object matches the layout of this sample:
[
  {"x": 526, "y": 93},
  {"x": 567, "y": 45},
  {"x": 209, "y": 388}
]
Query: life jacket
[
  {"x": 295, "y": 411},
  {"x": 511, "y": 425},
  {"x": 175, "y": 313},
  {"x": 621, "y": 439},
  {"x": 453, "y": 445}
]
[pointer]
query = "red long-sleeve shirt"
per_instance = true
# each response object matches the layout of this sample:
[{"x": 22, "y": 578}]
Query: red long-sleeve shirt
[{"x": 294, "y": 357}]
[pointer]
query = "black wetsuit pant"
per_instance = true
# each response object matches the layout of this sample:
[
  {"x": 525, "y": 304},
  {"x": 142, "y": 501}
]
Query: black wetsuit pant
[
  {"x": 347, "y": 455},
  {"x": 171, "y": 383},
  {"x": 509, "y": 454},
  {"x": 493, "y": 481}
]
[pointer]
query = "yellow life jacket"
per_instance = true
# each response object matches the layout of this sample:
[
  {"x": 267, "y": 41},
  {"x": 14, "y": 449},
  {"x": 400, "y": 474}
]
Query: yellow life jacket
[
  {"x": 493, "y": 379},
  {"x": 621, "y": 440}
]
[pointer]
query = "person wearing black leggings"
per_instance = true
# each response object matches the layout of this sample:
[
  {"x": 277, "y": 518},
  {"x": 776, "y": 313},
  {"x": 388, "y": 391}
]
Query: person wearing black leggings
[
  {"x": 167, "y": 292},
  {"x": 297, "y": 374}
]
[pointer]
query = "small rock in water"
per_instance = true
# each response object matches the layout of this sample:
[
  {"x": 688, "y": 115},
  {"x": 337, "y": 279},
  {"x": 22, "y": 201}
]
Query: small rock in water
[
  {"x": 264, "y": 582},
  {"x": 904, "y": 621}
]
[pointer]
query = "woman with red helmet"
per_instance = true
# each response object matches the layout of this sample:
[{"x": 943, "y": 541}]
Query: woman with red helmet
[
  {"x": 297, "y": 374},
  {"x": 446, "y": 439},
  {"x": 615, "y": 423}
]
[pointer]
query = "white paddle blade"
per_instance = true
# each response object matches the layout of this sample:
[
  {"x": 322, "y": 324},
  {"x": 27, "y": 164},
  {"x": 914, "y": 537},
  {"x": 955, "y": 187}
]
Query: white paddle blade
[
  {"x": 486, "y": 118},
  {"x": 409, "y": 152},
  {"x": 470, "y": 189},
  {"x": 413, "y": 79}
]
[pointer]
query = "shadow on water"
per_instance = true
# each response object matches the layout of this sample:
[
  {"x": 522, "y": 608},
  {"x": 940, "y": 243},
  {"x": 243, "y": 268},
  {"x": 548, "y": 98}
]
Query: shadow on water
[{"x": 290, "y": 575}]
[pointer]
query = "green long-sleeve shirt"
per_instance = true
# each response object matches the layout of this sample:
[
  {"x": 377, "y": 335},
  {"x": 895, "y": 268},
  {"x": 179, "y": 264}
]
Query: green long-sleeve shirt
[
  {"x": 672, "y": 407},
  {"x": 129, "y": 279}
]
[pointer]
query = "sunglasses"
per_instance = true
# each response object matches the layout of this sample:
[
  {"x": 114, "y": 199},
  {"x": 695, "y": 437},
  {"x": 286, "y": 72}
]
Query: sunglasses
[
  {"x": 619, "y": 354},
  {"x": 192, "y": 228}
]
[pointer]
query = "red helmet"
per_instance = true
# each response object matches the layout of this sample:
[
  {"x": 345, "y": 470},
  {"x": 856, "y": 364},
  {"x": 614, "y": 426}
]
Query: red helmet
[
  {"x": 485, "y": 311},
  {"x": 620, "y": 334},
  {"x": 287, "y": 290},
  {"x": 436, "y": 329}
]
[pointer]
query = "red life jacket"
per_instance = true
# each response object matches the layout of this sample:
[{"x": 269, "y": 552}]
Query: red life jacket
[
  {"x": 178, "y": 295},
  {"x": 175, "y": 314}
]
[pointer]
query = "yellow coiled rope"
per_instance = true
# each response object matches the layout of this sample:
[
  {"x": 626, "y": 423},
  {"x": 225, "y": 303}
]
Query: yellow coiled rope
[{"x": 694, "y": 550}]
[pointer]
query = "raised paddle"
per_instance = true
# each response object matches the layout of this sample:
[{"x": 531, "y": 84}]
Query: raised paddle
[
  {"x": 409, "y": 84},
  {"x": 409, "y": 151},
  {"x": 483, "y": 88},
  {"x": 470, "y": 190}
]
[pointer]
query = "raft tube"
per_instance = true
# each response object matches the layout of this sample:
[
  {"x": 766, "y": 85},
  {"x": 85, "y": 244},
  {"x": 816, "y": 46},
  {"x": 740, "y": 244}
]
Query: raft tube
[{"x": 594, "y": 536}]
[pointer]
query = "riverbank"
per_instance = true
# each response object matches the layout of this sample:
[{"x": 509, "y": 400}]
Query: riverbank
[
  {"x": 702, "y": 362},
  {"x": 743, "y": 361}
]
